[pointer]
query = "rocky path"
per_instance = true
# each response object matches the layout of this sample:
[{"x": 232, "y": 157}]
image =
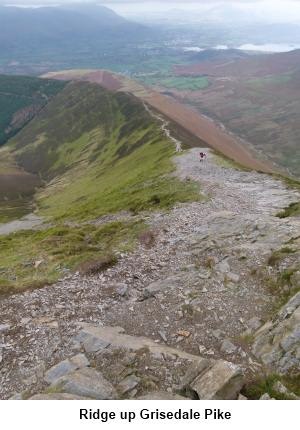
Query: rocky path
[{"x": 197, "y": 289}]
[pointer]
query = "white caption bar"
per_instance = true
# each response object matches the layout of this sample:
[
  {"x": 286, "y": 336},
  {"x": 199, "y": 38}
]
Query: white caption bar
[{"x": 78, "y": 415}]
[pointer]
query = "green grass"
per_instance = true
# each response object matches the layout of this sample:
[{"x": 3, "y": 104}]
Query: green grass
[
  {"x": 262, "y": 385},
  {"x": 97, "y": 153},
  {"x": 60, "y": 249},
  {"x": 280, "y": 254},
  {"x": 113, "y": 157},
  {"x": 292, "y": 210},
  {"x": 227, "y": 163}
]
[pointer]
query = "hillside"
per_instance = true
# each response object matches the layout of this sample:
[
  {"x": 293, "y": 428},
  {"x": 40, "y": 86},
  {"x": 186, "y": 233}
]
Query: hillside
[
  {"x": 37, "y": 39},
  {"x": 136, "y": 284},
  {"x": 96, "y": 153},
  {"x": 196, "y": 125},
  {"x": 257, "y": 98},
  {"x": 21, "y": 98}
]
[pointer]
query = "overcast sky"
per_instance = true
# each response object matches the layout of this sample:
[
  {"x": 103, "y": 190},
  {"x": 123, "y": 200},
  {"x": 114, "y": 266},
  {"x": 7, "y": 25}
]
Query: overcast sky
[{"x": 270, "y": 10}]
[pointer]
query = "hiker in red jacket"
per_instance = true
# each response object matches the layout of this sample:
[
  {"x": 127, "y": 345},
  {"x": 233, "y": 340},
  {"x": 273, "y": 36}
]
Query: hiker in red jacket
[{"x": 202, "y": 156}]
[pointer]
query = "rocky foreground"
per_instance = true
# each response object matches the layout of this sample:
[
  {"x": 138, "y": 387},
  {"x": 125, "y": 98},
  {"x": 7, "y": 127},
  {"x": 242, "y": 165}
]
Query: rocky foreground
[{"x": 207, "y": 302}]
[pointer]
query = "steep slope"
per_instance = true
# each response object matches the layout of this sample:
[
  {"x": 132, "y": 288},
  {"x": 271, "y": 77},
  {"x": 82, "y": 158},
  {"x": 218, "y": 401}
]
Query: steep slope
[
  {"x": 95, "y": 147},
  {"x": 21, "y": 97},
  {"x": 196, "y": 124},
  {"x": 251, "y": 66},
  {"x": 257, "y": 98},
  {"x": 97, "y": 153},
  {"x": 210, "y": 277}
]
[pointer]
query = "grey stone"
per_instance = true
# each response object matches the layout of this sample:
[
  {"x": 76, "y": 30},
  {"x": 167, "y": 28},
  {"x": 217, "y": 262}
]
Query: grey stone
[
  {"x": 91, "y": 343},
  {"x": 277, "y": 342},
  {"x": 290, "y": 307},
  {"x": 122, "y": 289},
  {"x": 160, "y": 286},
  {"x": 161, "y": 395},
  {"x": 222, "y": 267},
  {"x": 86, "y": 382},
  {"x": 223, "y": 381},
  {"x": 218, "y": 334},
  {"x": 65, "y": 367},
  {"x": 241, "y": 397},
  {"x": 196, "y": 369},
  {"x": 17, "y": 396},
  {"x": 254, "y": 324},
  {"x": 128, "y": 384},
  {"x": 57, "y": 396},
  {"x": 116, "y": 338},
  {"x": 266, "y": 396},
  {"x": 163, "y": 335},
  {"x": 4, "y": 328},
  {"x": 232, "y": 277},
  {"x": 228, "y": 347}
]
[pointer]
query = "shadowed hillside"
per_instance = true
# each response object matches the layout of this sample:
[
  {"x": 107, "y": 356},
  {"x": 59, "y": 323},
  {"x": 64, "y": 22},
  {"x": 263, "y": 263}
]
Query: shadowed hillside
[{"x": 21, "y": 97}]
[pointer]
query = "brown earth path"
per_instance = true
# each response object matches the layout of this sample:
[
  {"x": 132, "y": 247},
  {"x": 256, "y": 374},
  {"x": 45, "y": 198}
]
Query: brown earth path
[{"x": 198, "y": 125}]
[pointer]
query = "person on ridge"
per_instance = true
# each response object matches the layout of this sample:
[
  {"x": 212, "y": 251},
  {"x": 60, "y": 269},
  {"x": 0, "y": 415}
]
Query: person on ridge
[{"x": 202, "y": 156}]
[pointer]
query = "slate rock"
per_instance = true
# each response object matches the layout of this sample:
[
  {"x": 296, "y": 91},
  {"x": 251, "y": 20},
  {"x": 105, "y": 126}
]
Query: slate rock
[
  {"x": 65, "y": 367},
  {"x": 223, "y": 381},
  {"x": 161, "y": 395},
  {"x": 87, "y": 382},
  {"x": 228, "y": 347},
  {"x": 57, "y": 396},
  {"x": 128, "y": 384}
]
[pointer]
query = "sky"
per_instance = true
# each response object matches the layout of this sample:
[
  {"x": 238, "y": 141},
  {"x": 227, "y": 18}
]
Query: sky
[{"x": 268, "y": 10}]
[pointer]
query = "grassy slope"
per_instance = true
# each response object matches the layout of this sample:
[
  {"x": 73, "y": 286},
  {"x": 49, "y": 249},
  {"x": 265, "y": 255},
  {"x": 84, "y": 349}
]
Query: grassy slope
[
  {"x": 101, "y": 153},
  {"x": 18, "y": 93},
  {"x": 294, "y": 208},
  {"x": 98, "y": 153}
]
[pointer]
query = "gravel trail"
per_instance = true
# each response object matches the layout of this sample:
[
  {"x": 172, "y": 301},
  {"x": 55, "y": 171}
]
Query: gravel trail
[{"x": 209, "y": 262}]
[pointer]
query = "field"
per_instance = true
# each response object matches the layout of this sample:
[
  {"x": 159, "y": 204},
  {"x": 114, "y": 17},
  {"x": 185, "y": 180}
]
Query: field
[{"x": 180, "y": 83}]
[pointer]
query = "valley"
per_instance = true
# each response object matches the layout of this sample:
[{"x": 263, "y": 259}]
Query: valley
[
  {"x": 195, "y": 124},
  {"x": 255, "y": 97},
  {"x": 149, "y": 202},
  {"x": 115, "y": 158}
]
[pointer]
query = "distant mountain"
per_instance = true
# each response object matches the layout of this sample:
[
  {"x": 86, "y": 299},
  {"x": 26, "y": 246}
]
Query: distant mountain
[
  {"x": 227, "y": 63},
  {"x": 31, "y": 31}
]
